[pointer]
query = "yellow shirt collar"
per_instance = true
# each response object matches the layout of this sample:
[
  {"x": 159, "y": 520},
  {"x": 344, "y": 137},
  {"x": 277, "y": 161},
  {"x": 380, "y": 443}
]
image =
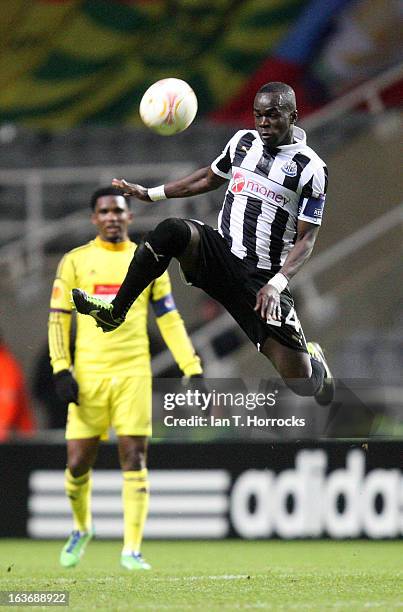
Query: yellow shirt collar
[{"x": 113, "y": 246}]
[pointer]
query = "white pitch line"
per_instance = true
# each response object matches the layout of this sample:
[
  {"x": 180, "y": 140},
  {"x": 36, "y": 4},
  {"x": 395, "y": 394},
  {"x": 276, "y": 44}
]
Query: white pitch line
[{"x": 218, "y": 577}]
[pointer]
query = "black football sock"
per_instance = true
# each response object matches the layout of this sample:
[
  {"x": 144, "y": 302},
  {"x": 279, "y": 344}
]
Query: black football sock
[
  {"x": 143, "y": 269},
  {"x": 152, "y": 257},
  {"x": 307, "y": 387},
  {"x": 318, "y": 375}
]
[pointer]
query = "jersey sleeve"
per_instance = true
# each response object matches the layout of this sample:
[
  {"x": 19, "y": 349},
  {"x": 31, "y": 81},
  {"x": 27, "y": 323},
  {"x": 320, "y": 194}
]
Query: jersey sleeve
[
  {"x": 172, "y": 327},
  {"x": 64, "y": 282},
  {"x": 59, "y": 323},
  {"x": 223, "y": 163},
  {"x": 313, "y": 197}
]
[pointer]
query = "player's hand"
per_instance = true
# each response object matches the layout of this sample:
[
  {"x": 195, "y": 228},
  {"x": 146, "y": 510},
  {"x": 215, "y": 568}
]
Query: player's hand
[
  {"x": 66, "y": 386},
  {"x": 268, "y": 303},
  {"x": 131, "y": 189}
]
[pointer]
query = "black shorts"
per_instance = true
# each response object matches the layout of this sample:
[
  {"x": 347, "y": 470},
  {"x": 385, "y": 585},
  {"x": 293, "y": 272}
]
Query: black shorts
[{"x": 234, "y": 283}]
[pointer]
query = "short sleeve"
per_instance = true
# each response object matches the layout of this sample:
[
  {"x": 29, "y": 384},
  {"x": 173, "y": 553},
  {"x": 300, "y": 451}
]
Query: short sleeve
[
  {"x": 313, "y": 197},
  {"x": 222, "y": 165}
]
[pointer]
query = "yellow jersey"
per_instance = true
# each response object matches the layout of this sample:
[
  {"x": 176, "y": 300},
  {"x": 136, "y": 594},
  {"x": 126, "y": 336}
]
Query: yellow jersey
[{"x": 99, "y": 268}]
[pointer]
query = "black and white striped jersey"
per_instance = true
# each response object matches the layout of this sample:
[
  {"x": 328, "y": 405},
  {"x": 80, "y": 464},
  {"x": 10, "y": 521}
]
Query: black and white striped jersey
[{"x": 267, "y": 194}]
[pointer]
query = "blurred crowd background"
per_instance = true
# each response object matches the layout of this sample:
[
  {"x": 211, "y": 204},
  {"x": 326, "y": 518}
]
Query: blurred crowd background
[{"x": 72, "y": 74}]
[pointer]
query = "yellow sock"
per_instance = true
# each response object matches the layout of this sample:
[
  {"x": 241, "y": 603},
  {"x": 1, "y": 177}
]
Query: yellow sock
[
  {"x": 135, "y": 496},
  {"x": 78, "y": 490}
]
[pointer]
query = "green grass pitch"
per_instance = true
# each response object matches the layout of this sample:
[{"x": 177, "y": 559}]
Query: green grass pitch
[{"x": 212, "y": 576}]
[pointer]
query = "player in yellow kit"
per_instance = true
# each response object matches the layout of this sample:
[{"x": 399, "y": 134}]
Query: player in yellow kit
[{"x": 110, "y": 382}]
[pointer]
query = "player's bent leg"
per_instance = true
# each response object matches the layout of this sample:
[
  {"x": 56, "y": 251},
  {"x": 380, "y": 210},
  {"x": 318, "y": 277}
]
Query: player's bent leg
[
  {"x": 190, "y": 256},
  {"x": 302, "y": 373},
  {"x": 81, "y": 455},
  {"x": 326, "y": 393},
  {"x": 135, "y": 497},
  {"x": 152, "y": 257},
  {"x": 169, "y": 239}
]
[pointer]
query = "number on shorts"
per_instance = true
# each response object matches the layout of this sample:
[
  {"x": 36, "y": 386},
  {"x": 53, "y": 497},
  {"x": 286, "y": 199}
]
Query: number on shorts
[{"x": 293, "y": 320}]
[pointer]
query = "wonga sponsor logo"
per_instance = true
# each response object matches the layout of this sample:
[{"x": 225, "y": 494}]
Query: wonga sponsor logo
[
  {"x": 266, "y": 192},
  {"x": 242, "y": 183},
  {"x": 238, "y": 182}
]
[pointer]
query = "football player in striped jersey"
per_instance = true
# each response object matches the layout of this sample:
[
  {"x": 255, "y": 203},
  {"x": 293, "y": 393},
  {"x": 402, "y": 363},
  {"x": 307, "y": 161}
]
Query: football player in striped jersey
[{"x": 266, "y": 231}]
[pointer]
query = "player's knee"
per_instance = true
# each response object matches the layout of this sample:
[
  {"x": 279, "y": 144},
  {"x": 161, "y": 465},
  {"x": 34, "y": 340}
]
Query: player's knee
[
  {"x": 293, "y": 368},
  {"x": 133, "y": 457},
  {"x": 78, "y": 466},
  {"x": 170, "y": 237},
  {"x": 297, "y": 377}
]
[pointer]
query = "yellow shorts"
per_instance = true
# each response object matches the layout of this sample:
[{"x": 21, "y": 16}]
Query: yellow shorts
[{"x": 123, "y": 403}]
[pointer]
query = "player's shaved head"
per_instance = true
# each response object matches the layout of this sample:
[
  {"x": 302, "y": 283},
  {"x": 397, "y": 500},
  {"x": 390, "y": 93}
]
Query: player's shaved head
[{"x": 285, "y": 94}]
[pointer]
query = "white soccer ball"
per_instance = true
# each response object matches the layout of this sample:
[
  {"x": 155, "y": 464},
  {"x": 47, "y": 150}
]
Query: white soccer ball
[{"x": 168, "y": 106}]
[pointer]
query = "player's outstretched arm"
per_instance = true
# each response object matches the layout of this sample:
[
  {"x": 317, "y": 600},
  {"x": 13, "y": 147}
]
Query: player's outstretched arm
[
  {"x": 268, "y": 297},
  {"x": 200, "y": 181}
]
